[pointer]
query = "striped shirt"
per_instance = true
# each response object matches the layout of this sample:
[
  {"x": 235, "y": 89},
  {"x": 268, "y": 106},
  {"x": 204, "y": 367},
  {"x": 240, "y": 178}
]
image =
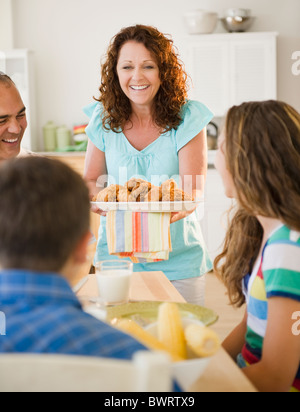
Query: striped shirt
[{"x": 278, "y": 274}]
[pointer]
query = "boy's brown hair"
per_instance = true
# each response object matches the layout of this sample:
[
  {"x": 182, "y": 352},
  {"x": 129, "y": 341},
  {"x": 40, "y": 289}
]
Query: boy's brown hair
[{"x": 44, "y": 212}]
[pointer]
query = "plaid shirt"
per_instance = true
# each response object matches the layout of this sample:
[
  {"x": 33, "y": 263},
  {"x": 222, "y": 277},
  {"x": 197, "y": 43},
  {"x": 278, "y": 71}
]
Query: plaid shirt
[{"x": 43, "y": 315}]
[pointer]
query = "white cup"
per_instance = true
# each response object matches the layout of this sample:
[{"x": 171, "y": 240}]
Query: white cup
[{"x": 114, "y": 278}]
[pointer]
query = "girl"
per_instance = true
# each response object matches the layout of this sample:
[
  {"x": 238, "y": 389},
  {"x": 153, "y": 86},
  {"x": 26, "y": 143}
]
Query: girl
[{"x": 259, "y": 161}]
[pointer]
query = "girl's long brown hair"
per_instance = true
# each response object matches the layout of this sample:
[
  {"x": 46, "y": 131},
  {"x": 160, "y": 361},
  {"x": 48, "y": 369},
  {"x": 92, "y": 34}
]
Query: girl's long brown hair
[
  {"x": 173, "y": 91},
  {"x": 262, "y": 151}
]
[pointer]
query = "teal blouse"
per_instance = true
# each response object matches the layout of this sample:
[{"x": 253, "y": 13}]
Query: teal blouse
[{"x": 156, "y": 163}]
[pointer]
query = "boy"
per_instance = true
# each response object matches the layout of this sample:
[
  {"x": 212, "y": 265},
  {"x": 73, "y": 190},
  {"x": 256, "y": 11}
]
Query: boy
[{"x": 44, "y": 233}]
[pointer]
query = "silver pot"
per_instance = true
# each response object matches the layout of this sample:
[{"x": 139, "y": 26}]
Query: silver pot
[
  {"x": 234, "y": 12},
  {"x": 237, "y": 23}
]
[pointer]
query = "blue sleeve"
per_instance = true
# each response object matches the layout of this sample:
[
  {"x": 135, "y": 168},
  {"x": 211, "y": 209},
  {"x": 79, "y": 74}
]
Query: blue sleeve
[
  {"x": 196, "y": 117},
  {"x": 94, "y": 129}
]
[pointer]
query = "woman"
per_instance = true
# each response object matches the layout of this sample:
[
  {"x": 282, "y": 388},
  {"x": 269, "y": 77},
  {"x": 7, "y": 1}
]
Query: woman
[
  {"x": 143, "y": 125},
  {"x": 259, "y": 161}
]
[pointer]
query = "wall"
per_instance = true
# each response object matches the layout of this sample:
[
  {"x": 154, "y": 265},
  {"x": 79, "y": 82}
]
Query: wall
[
  {"x": 70, "y": 36},
  {"x": 6, "y": 25}
]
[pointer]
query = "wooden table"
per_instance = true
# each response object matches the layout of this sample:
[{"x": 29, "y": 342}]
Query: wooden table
[
  {"x": 145, "y": 286},
  {"x": 222, "y": 374}
]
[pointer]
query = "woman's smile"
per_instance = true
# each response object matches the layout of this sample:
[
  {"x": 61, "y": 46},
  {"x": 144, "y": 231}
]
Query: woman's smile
[{"x": 139, "y": 88}]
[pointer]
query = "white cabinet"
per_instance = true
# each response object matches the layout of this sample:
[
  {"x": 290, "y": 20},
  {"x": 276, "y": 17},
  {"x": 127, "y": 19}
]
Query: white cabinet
[
  {"x": 229, "y": 69},
  {"x": 6, "y": 24},
  {"x": 18, "y": 64},
  {"x": 214, "y": 223}
]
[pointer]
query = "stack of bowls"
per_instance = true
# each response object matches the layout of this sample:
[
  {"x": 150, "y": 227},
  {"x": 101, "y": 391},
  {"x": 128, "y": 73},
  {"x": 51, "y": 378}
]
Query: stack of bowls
[{"x": 237, "y": 20}]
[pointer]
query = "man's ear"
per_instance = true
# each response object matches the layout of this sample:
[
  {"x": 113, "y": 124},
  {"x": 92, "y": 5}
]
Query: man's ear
[{"x": 80, "y": 253}]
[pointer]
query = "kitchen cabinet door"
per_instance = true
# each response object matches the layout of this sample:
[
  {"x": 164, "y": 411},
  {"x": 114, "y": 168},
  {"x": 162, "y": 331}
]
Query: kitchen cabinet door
[
  {"x": 216, "y": 207},
  {"x": 253, "y": 70},
  {"x": 228, "y": 69},
  {"x": 209, "y": 62}
]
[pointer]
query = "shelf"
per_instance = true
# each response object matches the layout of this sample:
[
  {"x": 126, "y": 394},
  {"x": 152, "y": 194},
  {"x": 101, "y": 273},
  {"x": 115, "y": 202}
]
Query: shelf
[{"x": 62, "y": 154}]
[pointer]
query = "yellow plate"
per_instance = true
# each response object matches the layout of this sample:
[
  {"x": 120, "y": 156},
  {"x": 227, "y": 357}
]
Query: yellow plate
[{"x": 146, "y": 313}]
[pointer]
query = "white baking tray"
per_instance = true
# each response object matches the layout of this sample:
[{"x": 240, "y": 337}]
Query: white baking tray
[{"x": 149, "y": 206}]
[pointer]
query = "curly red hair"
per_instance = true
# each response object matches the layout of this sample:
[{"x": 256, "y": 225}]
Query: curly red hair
[{"x": 173, "y": 91}]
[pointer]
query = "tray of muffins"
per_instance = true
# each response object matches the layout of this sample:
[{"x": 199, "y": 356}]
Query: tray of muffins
[{"x": 138, "y": 195}]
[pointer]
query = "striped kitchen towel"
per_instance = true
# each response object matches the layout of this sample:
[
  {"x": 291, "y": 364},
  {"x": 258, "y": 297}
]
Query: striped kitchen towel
[{"x": 141, "y": 236}]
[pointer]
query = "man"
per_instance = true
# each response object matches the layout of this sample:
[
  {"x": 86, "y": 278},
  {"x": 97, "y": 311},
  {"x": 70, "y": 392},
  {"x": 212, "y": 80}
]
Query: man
[
  {"x": 43, "y": 239},
  {"x": 13, "y": 121}
]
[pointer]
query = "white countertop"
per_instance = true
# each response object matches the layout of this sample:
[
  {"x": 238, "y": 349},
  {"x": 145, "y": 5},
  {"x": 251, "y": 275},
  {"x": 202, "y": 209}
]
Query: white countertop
[
  {"x": 211, "y": 155},
  {"x": 62, "y": 154}
]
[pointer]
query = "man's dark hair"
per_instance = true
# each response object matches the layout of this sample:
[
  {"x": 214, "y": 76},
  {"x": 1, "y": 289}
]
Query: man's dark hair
[
  {"x": 44, "y": 212},
  {"x": 4, "y": 78}
]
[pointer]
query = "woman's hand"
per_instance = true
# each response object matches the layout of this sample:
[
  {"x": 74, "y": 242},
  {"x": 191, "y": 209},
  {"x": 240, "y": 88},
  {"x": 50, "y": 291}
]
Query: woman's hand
[
  {"x": 176, "y": 216},
  {"x": 95, "y": 209},
  {"x": 95, "y": 168}
]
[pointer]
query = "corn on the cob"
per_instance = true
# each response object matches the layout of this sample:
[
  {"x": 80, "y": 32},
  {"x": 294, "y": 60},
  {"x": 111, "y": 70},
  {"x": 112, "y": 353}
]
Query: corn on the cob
[
  {"x": 203, "y": 341},
  {"x": 135, "y": 330},
  {"x": 170, "y": 329}
]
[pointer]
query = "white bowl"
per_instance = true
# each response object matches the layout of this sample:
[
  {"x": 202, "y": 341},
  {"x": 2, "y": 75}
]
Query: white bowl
[
  {"x": 186, "y": 372},
  {"x": 200, "y": 21}
]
